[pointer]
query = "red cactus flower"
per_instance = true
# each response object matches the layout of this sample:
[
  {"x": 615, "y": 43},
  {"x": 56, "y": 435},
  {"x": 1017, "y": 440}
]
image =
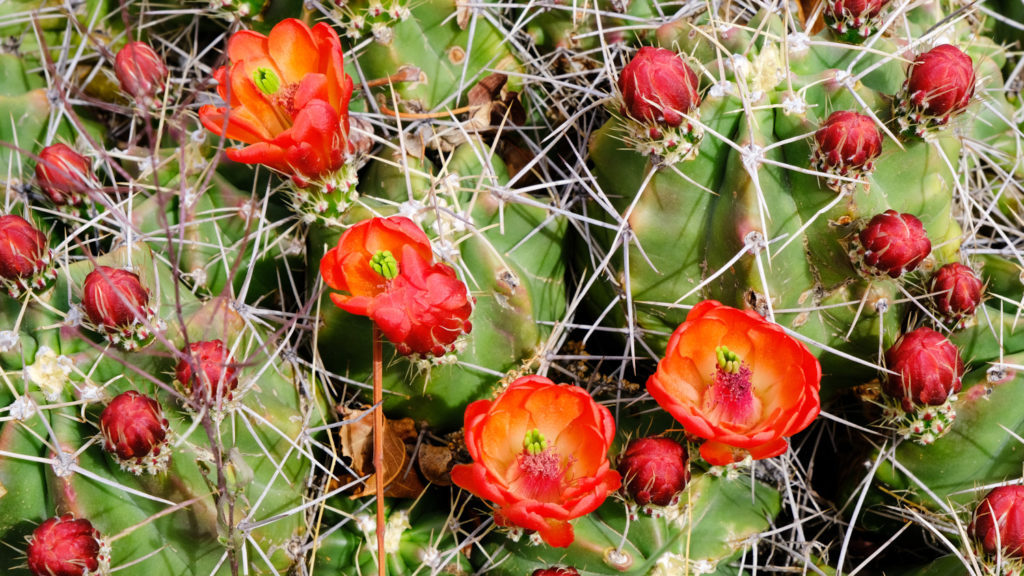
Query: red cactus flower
[
  {"x": 349, "y": 266},
  {"x": 654, "y": 470},
  {"x": 956, "y": 291},
  {"x": 288, "y": 97},
  {"x": 133, "y": 425},
  {"x": 63, "y": 546},
  {"x": 24, "y": 254},
  {"x": 140, "y": 70},
  {"x": 217, "y": 372},
  {"x": 556, "y": 571},
  {"x": 737, "y": 380},
  {"x": 998, "y": 522},
  {"x": 940, "y": 82},
  {"x": 426, "y": 308},
  {"x": 847, "y": 141},
  {"x": 114, "y": 298},
  {"x": 540, "y": 454},
  {"x": 927, "y": 369},
  {"x": 65, "y": 175},
  {"x": 384, "y": 265},
  {"x": 658, "y": 86},
  {"x": 893, "y": 244}
]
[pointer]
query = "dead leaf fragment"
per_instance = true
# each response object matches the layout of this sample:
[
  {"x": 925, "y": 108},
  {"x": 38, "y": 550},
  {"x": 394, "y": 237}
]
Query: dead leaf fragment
[{"x": 357, "y": 444}]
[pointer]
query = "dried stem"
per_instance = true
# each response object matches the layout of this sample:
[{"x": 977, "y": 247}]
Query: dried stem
[{"x": 378, "y": 445}]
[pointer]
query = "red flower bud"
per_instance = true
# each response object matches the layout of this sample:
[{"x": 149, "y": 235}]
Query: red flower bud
[
  {"x": 140, "y": 70},
  {"x": 24, "y": 255},
  {"x": 217, "y": 369},
  {"x": 845, "y": 145},
  {"x": 893, "y": 244},
  {"x": 114, "y": 298},
  {"x": 927, "y": 369},
  {"x": 658, "y": 86},
  {"x": 425, "y": 308},
  {"x": 63, "y": 546},
  {"x": 941, "y": 81},
  {"x": 999, "y": 522},
  {"x": 854, "y": 19},
  {"x": 956, "y": 291},
  {"x": 65, "y": 175},
  {"x": 848, "y": 140},
  {"x": 556, "y": 571},
  {"x": 654, "y": 470},
  {"x": 940, "y": 84},
  {"x": 135, "y": 430}
]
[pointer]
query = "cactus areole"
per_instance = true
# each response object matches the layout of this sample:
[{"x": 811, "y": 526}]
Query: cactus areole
[
  {"x": 289, "y": 102},
  {"x": 540, "y": 454},
  {"x": 998, "y": 524},
  {"x": 65, "y": 546},
  {"x": 140, "y": 70},
  {"x": 26, "y": 262},
  {"x": 738, "y": 381},
  {"x": 659, "y": 92}
]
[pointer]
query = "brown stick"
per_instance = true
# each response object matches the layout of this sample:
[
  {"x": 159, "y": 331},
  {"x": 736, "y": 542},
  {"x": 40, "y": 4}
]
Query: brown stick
[
  {"x": 424, "y": 115},
  {"x": 378, "y": 446}
]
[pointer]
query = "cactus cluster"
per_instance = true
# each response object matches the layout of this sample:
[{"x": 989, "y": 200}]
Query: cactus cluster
[{"x": 633, "y": 287}]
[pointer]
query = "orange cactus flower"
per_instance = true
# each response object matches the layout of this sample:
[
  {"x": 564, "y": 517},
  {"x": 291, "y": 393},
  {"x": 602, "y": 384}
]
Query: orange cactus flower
[
  {"x": 540, "y": 453},
  {"x": 385, "y": 265},
  {"x": 738, "y": 381},
  {"x": 425, "y": 309},
  {"x": 288, "y": 98},
  {"x": 368, "y": 256}
]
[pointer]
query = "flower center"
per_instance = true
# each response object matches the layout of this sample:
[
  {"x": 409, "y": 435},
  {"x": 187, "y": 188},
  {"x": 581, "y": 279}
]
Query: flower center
[
  {"x": 385, "y": 264},
  {"x": 731, "y": 399},
  {"x": 543, "y": 472},
  {"x": 266, "y": 80}
]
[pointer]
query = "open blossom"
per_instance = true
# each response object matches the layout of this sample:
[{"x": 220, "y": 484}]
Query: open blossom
[
  {"x": 384, "y": 265},
  {"x": 288, "y": 97},
  {"x": 540, "y": 454},
  {"x": 426, "y": 309},
  {"x": 737, "y": 380}
]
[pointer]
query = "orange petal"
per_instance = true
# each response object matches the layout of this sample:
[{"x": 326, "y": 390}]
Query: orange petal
[
  {"x": 237, "y": 124},
  {"x": 244, "y": 90},
  {"x": 330, "y": 270},
  {"x": 291, "y": 47}
]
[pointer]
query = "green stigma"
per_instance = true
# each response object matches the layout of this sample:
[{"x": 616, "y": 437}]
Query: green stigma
[
  {"x": 384, "y": 263},
  {"x": 728, "y": 361},
  {"x": 266, "y": 80},
  {"x": 534, "y": 442}
]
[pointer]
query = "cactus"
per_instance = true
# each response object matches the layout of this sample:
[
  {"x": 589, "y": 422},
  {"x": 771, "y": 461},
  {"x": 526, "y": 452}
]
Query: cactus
[{"x": 183, "y": 396}]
